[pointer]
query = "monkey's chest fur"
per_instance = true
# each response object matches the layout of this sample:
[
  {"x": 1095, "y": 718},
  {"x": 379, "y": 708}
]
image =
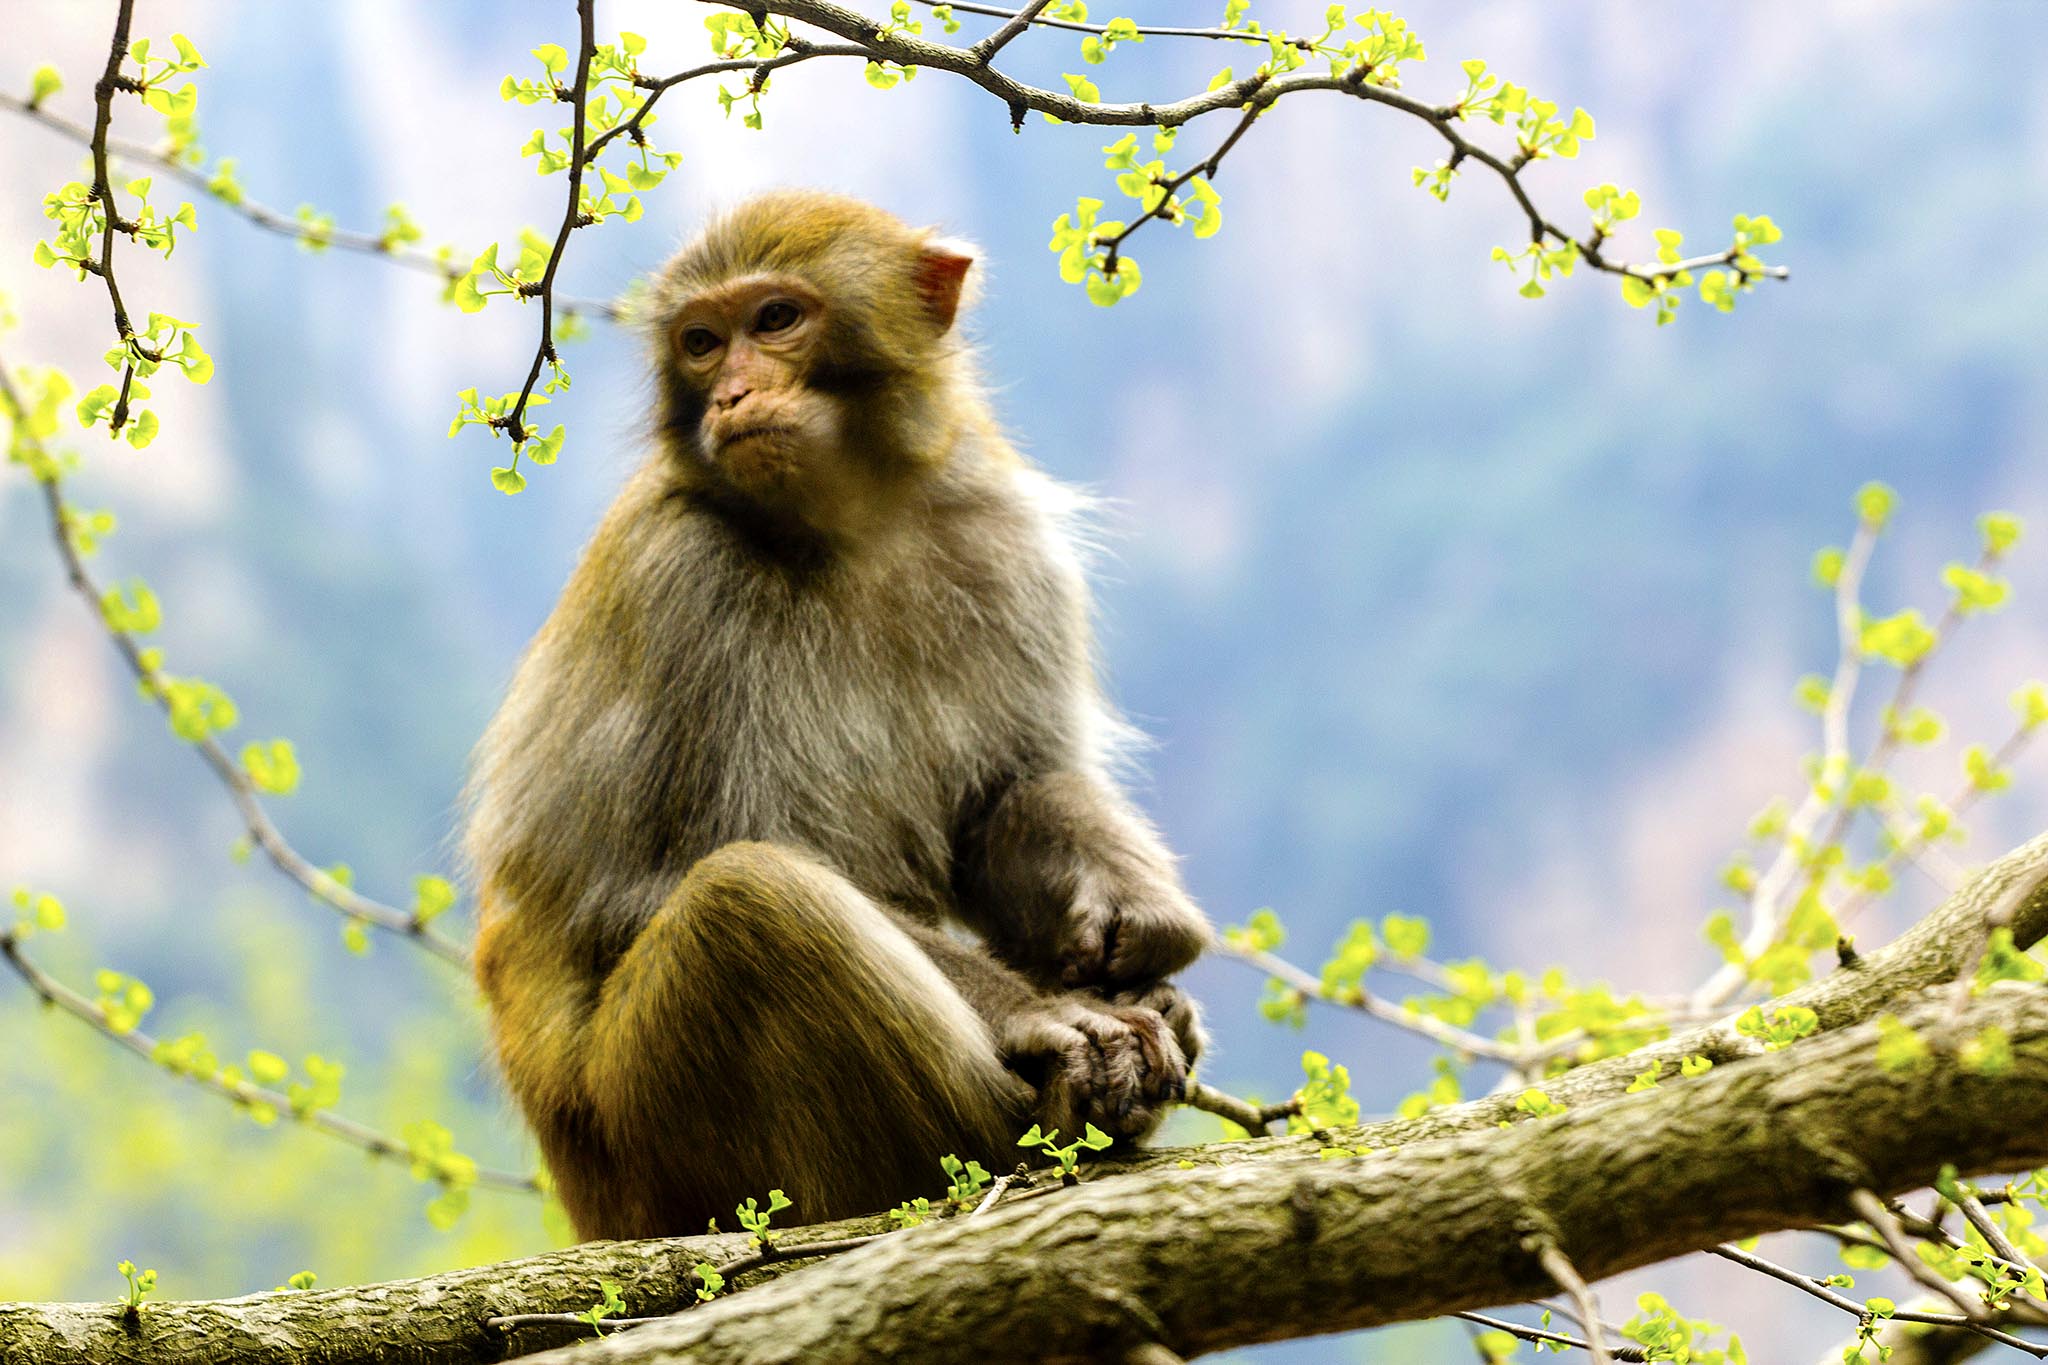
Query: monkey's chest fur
[{"x": 700, "y": 693}]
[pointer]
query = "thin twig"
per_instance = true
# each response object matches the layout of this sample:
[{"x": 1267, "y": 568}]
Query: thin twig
[
  {"x": 985, "y": 50},
  {"x": 1559, "y": 1267},
  {"x": 1979, "y": 1217},
  {"x": 103, "y": 190},
  {"x": 1542, "y": 1334},
  {"x": 255, "y": 820},
  {"x": 244, "y": 1094},
  {"x": 909, "y": 49},
  {"x": 1885, "y": 1224},
  {"x": 284, "y": 225},
  {"x": 1810, "y": 1285},
  {"x": 1767, "y": 899},
  {"x": 1032, "y": 16},
  {"x": 995, "y": 1192},
  {"x": 1450, "y": 1035},
  {"x": 1256, "y": 1119},
  {"x": 514, "y": 421}
]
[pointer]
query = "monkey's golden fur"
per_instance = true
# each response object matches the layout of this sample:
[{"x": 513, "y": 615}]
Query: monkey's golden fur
[{"x": 821, "y": 685}]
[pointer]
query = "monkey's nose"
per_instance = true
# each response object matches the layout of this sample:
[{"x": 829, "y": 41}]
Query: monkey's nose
[{"x": 730, "y": 398}]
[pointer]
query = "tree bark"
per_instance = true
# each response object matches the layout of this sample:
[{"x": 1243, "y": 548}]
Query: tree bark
[
  {"x": 1207, "y": 1247},
  {"x": 1209, "y": 1258}
]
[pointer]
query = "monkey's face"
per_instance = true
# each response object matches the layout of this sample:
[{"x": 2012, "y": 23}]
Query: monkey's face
[{"x": 746, "y": 348}]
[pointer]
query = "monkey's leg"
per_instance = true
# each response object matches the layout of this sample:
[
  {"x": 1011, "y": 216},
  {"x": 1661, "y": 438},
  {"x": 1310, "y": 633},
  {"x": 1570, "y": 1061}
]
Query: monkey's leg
[{"x": 772, "y": 1027}]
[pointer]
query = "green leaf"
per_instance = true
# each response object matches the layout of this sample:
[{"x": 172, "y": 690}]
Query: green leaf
[
  {"x": 1405, "y": 935},
  {"x": 2001, "y": 531},
  {"x": 143, "y": 429},
  {"x": 43, "y": 84},
  {"x": 1875, "y": 503},
  {"x": 507, "y": 480},
  {"x": 552, "y": 56}
]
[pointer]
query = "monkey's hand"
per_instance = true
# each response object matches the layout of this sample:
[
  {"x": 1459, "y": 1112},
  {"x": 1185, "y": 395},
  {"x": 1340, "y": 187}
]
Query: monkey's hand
[
  {"x": 1127, "y": 926},
  {"x": 1114, "y": 1064}
]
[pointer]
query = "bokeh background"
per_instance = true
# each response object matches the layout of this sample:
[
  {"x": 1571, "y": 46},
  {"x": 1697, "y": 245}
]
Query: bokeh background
[{"x": 1433, "y": 599}]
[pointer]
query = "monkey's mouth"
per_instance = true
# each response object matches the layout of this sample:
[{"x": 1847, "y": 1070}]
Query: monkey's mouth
[{"x": 753, "y": 431}]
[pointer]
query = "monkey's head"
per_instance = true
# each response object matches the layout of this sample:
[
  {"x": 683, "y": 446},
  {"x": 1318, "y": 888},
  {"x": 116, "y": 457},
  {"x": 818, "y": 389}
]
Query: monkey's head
[{"x": 804, "y": 343}]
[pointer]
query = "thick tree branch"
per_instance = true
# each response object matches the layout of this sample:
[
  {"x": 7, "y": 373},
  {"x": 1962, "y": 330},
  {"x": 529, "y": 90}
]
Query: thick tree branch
[{"x": 1153, "y": 1253}]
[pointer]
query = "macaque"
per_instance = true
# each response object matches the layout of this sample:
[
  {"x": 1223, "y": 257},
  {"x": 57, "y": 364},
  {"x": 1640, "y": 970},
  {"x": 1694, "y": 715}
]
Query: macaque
[{"x": 799, "y": 859}]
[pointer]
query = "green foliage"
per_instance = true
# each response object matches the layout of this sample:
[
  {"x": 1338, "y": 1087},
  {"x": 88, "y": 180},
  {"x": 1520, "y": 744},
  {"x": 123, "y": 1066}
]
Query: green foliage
[
  {"x": 430, "y": 1150},
  {"x": 272, "y": 767},
  {"x": 43, "y": 83},
  {"x": 35, "y": 911},
  {"x": 1899, "y": 1048},
  {"x": 1666, "y": 1334},
  {"x": 141, "y": 1284},
  {"x": 1987, "y": 1053},
  {"x": 611, "y": 1304},
  {"x": 1444, "y": 1090},
  {"x": 709, "y": 1282},
  {"x": 1536, "y": 1104},
  {"x": 432, "y": 898},
  {"x": 316, "y": 229},
  {"x": 754, "y": 1219},
  {"x": 1081, "y": 239},
  {"x": 2003, "y": 961},
  {"x": 912, "y": 1213},
  {"x": 1093, "y": 1140},
  {"x": 1264, "y": 933},
  {"x": 1778, "y": 1027},
  {"x": 965, "y": 1180},
  {"x": 1326, "y": 1100},
  {"x": 122, "y": 1000}
]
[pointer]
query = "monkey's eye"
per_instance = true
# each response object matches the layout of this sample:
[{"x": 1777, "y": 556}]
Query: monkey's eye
[
  {"x": 777, "y": 317},
  {"x": 700, "y": 340}
]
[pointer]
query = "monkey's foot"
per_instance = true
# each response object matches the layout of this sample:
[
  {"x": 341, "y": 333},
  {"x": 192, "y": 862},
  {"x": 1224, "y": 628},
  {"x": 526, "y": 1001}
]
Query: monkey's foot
[{"x": 1115, "y": 1066}]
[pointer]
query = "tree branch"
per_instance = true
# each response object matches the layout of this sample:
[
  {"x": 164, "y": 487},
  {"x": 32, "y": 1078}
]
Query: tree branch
[
  {"x": 1149, "y": 1252},
  {"x": 284, "y": 225},
  {"x": 255, "y": 820},
  {"x": 909, "y": 49},
  {"x": 242, "y": 1094}
]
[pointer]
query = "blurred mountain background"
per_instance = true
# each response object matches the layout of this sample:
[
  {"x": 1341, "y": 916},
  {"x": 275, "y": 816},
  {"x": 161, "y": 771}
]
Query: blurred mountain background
[{"x": 1434, "y": 599}]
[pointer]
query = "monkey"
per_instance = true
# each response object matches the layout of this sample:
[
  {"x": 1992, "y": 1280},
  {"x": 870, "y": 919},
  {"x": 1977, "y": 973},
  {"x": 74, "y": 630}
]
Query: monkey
[{"x": 798, "y": 845}]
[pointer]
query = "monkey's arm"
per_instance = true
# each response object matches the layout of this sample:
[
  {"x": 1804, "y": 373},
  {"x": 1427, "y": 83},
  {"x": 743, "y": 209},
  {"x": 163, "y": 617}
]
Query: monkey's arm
[{"x": 1070, "y": 884}]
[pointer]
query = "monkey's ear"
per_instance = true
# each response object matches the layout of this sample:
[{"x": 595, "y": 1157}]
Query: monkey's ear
[{"x": 942, "y": 266}]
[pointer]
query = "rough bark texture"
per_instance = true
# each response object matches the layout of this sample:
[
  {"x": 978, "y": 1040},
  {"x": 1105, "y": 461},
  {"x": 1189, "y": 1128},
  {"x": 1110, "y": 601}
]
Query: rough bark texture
[
  {"x": 1202, "y": 1248},
  {"x": 1208, "y": 1258}
]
